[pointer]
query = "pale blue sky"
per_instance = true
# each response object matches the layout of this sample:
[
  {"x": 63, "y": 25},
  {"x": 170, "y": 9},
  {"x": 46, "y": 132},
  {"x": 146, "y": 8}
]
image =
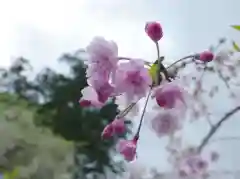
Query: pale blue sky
[{"x": 41, "y": 30}]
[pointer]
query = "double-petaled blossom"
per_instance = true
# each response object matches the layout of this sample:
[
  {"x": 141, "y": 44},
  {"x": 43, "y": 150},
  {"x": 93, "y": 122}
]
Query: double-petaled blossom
[
  {"x": 166, "y": 123},
  {"x": 101, "y": 65},
  {"x": 116, "y": 127},
  {"x": 102, "y": 58},
  {"x": 128, "y": 148},
  {"x": 132, "y": 79},
  {"x": 154, "y": 31},
  {"x": 170, "y": 95}
]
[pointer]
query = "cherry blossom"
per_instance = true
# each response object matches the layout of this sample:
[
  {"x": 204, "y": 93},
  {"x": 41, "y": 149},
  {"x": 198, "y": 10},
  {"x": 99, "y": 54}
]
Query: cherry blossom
[
  {"x": 132, "y": 79},
  {"x": 102, "y": 58},
  {"x": 193, "y": 165},
  {"x": 165, "y": 123},
  {"x": 169, "y": 95}
]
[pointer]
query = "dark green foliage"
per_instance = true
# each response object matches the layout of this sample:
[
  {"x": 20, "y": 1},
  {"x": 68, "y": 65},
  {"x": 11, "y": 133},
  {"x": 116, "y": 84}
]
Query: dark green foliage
[{"x": 59, "y": 110}]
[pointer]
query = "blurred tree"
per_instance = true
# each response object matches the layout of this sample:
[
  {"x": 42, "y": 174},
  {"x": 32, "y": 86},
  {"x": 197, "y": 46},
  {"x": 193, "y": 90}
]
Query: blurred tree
[{"x": 56, "y": 96}]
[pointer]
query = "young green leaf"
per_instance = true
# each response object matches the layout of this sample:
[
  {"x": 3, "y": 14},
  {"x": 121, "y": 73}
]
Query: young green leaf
[
  {"x": 236, "y": 27},
  {"x": 153, "y": 71},
  {"x": 235, "y": 46},
  {"x": 154, "y": 68}
]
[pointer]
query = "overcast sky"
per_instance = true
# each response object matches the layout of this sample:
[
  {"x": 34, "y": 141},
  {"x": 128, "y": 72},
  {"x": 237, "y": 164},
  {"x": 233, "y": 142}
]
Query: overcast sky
[{"x": 41, "y": 30}]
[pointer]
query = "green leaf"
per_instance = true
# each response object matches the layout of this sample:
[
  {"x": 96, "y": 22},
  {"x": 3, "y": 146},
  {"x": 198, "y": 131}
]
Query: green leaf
[
  {"x": 236, "y": 27},
  {"x": 153, "y": 72},
  {"x": 235, "y": 46}
]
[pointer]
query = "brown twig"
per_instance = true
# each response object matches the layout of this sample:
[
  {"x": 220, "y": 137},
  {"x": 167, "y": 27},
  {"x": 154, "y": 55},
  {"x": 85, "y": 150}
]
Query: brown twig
[{"x": 216, "y": 127}]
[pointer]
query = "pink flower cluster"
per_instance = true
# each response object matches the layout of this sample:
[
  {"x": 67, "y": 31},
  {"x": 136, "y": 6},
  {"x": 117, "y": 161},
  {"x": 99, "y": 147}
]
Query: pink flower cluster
[{"x": 108, "y": 76}]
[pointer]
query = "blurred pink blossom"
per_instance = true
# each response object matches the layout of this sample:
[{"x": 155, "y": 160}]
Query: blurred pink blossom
[
  {"x": 166, "y": 123},
  {"x": 191, "y": 163}
]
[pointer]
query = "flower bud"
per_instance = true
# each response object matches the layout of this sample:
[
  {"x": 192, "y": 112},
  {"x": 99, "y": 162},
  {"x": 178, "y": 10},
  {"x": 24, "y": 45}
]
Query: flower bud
[
  {"x": 206, "y": 56},
  {"x": 107, "y": 132},
  {"x": 154, "y": 31}
]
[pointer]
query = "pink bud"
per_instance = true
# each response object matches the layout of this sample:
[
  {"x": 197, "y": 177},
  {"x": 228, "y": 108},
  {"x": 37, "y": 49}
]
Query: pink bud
[
  {"x": 118, "y": 126},
  {"x": 206, "y": 56},
  {"x": 85, "y": 103},
  {"x": 115, "y": 127},
  {"x": 128, "y": 149},
  {"x": 154, "y": 31},
  {"x": 107, "y": 132}
]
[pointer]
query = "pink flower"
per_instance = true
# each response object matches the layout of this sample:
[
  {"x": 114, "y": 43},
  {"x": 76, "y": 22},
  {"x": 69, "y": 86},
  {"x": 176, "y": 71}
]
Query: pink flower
[
  {"x": 90, "y": 98},
  {"x": 154, "y": 31},
  {"x": 206, "y": 56},
  {"x": 118, "y": 126},
  {"x": 165, "y": 123},
  {"x": 133, "y": 79},
  {"x": 103, "y": 89},
  {"x": 192, "y": 164},
  {"x": 103, "y": 58},
  {"x": 114, "y": 128},
  {"x": 107, "y": 132},
  {"x": 128, "y": 149},
  {"x": 169, "y": 95}
]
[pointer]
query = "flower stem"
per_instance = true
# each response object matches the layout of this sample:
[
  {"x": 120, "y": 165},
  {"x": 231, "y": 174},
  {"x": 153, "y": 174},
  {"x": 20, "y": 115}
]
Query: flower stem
[
  {"x": 159, "y": 64},
  {"x": 215, "y": 127},
  {"x": 143, "y": 112},
  {"x": 126, "y": 110}
]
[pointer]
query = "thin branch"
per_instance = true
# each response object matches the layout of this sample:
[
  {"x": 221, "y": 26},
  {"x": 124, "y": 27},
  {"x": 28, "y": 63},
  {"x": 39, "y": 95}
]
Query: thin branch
[
  {"x": 227, "y": 138},
  {"x": 223, "y": 79},
  {"x": 182, "y": 59},
  {"x": 128, "y": 59},
  {"x": 216, "y": 127}
]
